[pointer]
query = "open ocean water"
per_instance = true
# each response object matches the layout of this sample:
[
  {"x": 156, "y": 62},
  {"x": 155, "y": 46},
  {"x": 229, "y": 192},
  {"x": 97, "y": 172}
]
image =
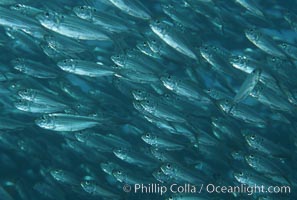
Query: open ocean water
[{"x": 148, "y": 99}]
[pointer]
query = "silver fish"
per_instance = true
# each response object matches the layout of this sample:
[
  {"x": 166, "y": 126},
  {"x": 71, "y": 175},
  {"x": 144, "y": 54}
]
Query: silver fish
[
  {"x": 85, "y": 68},
  {"x": 133, "y": 8},
  {"x": 66, "y": 122},
  {"x": 71, "y": 26}
]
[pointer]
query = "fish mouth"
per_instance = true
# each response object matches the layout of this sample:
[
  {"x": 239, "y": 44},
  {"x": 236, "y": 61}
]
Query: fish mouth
[
  {"x": 236, "y": 175},
  {"x": 120, "y": 153},
  {"x": 218, "y": 104},
  {"x": 44, "y": 122},
  {"x": 137, "y": 105},
  {"x": 41, "y": 17},
  {"x": 44, "y": 20},
  {"x": 21, "y": 106}
]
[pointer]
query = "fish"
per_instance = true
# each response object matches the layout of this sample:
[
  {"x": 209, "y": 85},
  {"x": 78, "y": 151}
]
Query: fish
[
  {"x": 268, "y": 97},
  {"x": 264, "y": 42},
  {"x": 62, "y": 43},
  {"x": 250, "y": 178},
  {"x": 71, "y": 27},
  {"x": 291, "y": 19},
  {"x": 133, "y": 8},
  {"x": 101, "y": 143},
  {"x": 181, "y": 174},
  {"x": 64, "y": 177},
  {"x": 33, "y": 68},
  {"x": 13, "y": 19},
  {"x": 165, "y": 31},
  {"x": 161, "y": 110},
  {"x": 29, "y": 106},
  {"x": 242, "y": 112},
  {"x": 66, "y": 122},
  {"x": 184, "y": 88},
  {"x": 84, "y": 68},
  {"x": 247, "y": 86},
  {"x": 39, "y": 96},
  {"x": 127, "y": 177},
  {"x": 162, "y": 143},
  {"x": 267, "y": 166},
  {"x": 109, "y": 22},
  {"x": 133, "y": 157},
  {"x": 95, "y": 190},
  {"x": 252, "y": 7},
  {"x": 265, "y": 146},
  {"x": 26, "y": 9}
]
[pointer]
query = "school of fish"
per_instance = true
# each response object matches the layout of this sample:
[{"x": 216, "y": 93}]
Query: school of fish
[{"x": 97, "y": 95}]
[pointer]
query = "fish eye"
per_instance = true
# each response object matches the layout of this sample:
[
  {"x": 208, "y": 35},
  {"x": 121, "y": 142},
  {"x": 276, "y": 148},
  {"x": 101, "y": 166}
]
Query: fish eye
[
  {"x": 168, "y": 166},
  {"x": 47, "y": 14},
  {"x": 226, "y": 101},
  {"x": 170, "y": 198},
  {"x": 208, "y": 90},
  {"x": 159, "y": 171},
  {"x": 81, "y": 7},
  {"x": 88, "y": 182},
  {"x": 241, "y": 173},
  {"x": 253, "y": 137},
  {"x": 147, "y": 135},
  {"x": 158, "y": 21},
  {"x": 251, "y": 156},
  {"x": 119, "y": 172}
]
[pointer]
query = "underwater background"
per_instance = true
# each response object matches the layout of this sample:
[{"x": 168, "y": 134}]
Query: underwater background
[{"x": 148, "y": 99}]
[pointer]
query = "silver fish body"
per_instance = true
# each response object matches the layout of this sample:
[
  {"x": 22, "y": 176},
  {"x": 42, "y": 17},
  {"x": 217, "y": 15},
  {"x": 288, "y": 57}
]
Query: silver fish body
[
  {"x": 71, "y": 26},
  {"x": 66, "y": 122}
]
